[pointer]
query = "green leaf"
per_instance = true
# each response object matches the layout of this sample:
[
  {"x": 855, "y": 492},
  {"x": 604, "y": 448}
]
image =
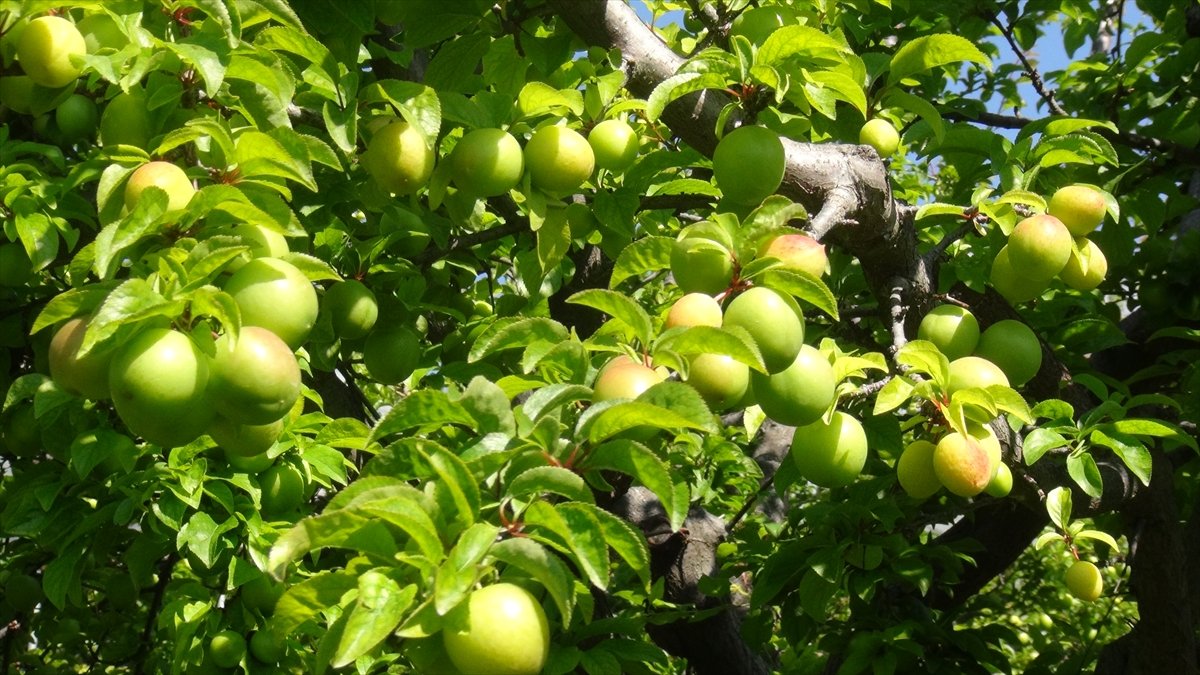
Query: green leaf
[
  {"x": 456, "y": 490},
  {"x": 666, "y": 405},
  {"x": 930, "y": 51},
  {"x": 459, "y": 572},
  {"x": 71, "y": 303},
  {"x": 416, "y": 103},
  {"x": 578, "y": 531},
  {"x": 423, "y": 408},
  {"x": 648, "y": 254},
  {"x": 634, "y": 459},
  {"x": 489, "y": 405},
  {"x": 532, "y": 558},
  {"x": 939, "y": 209},
  {"x": 620, "y": 307},
  {"x": 553, "y": 479},
  {"x": 621, "y": 537},
  {"x": 378, "y": 609},
  {"x": 924, "y": 357},
  {"x": 736, "y": 344},
  {"x": 1154, "y": 428},
  {"x": 1085, "y": 473},
  {"x": 1007, "y": 400},
  {"x": 1039, "y": 442},
  {"x": 307, "y": 599},
  {"x": 1046, "y": 538},
  {"x": 141, "y": 223},
  {"x": 1132, "y": 453},
  {"x": 680, "y": 85},
  {"x": 547, "y": 399},
  {"x": 800, "y": 42},
  {"x": 893, "y": 395},
  {"x": 898, "y": 98},
  {"x": 1053, "y": 409},
  {"x": 1097, "y": 535},
  {"x": 803, "y": 286},
  {"x": 129, "y": 304},
  {"x": 515, "y": 333},
  {"x": 1058, "y": 506}
]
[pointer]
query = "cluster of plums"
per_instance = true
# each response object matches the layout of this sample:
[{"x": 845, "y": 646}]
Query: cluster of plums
[
  {"x": 488, "y": 162},
  {"x": 1008, "y": 353},
  {"x": 1053, "y": 244}
]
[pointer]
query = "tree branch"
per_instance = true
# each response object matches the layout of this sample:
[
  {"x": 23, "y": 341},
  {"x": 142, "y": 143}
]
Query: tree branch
[{"x": 1034, "y": 76}]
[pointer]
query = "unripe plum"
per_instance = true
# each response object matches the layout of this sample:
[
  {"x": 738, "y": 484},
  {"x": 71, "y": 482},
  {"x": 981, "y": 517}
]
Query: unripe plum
[
  {"x": 46, "y": 48},
  {"x": 352, "y": 309},
  {"x": 559, "y": 159},
  {"x": 694, "y": 309},
  {"x": 881, "y": 135},
  {"x": 1084, "y": 580},
  {"x": 952, "y": 329},
  {"x": 748, "y": 164},
  {"x": 399, "y": 158},
  {"x": 797, "y": 252},
  {"x": 623, "y": 378},
  {"x": 915, "y": 470},
  {"x": 1039, "y": 247},
  {"x": 163, "y": 175},
  {"x": 1001, "y": 483},
  {"x": 830, "y": 455},
  {"x": 973, "y": 371},
  {"x": 126, "y": 120},
  {"x": 159, "y": 385},
  {"x": 800, "y": 393},
  {"x": 86, "y": 376},
  {"x": 1014, "y": 286},
  {"x": 501, "y": 629},
  {"x": 775, "y": 324},
  {"x": 961, "y": 464},
  {"x": 275, "y": 295},
  {"x": 1074, "y": 274},
  {"x": 255, "y": 379},
  {"x": 1014, "y": 347},
  {"x": 614, "y": 143},
  {"x": 487, "y": 162},
  {"x": 701, "y": 265},
  {"x": 721, "y": 380},
  {"x": 391, "y": 354},
  {"x": 1080, "y": 207},
  {"x": 244, "y": 440}
]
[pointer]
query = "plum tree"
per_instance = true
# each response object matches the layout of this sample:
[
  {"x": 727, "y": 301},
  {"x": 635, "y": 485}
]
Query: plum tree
[
  {"x": 953, "y": 329},
  {"x": 614, "y": 144},
  {"x": 559, "y": 159},
  {"x": 748, "y": 164},
  {"x": 487, "y": 162},
  {"x": 881, "y": 135},
  {"x": 501, "y": 629},
  {"x": 49, "y": 49},
  {"x": 274, "y": 294},
  {"x": 1080, "y": 207},
  {"x": 774, "y": 323},
  {"x": 830, "y": 454}
]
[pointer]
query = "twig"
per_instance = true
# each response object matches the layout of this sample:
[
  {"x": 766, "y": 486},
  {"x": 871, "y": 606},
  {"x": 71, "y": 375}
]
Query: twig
[
  {"x": 164, "y": 571},
  {"x": 1034, "y": 76},
  {"x": 870, "y": 388},
  {"x": 938, "y": 251},
  {"x": 840, "y": 201},
  {"x": 1127, "y": 138},
  {"x": 896, "y": 313},
  {"x": 469, "y": 240},
  {"x": 762, "y": 488}
]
